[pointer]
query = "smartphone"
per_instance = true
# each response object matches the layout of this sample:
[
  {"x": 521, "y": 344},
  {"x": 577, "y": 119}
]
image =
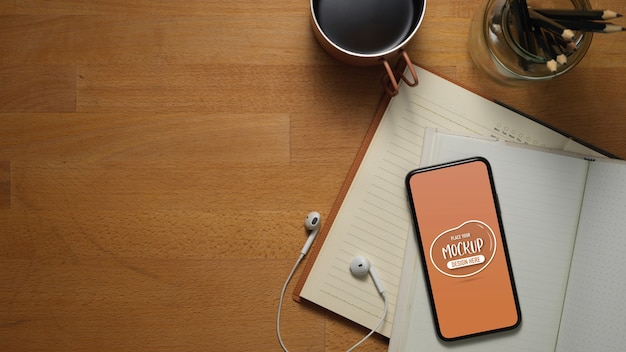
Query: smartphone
[{"x": 463, "y": 249}]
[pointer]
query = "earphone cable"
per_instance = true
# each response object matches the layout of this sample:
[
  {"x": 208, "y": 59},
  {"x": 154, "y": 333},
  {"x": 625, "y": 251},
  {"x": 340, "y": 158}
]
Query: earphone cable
[
  {"x": 280, "y": 302},
  {"x": 280, "y": 305},
  {"x": 380, "y": 322}
]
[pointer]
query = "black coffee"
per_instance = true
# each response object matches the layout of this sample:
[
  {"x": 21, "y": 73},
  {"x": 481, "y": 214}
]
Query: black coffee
[{"x": 367, "y": 26}]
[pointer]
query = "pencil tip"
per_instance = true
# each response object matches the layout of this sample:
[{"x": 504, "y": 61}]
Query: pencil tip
[
  {"x": 608, "y": 14},
  {"x": 568, "y": 34},
  {"x": 610, "y": 28}
]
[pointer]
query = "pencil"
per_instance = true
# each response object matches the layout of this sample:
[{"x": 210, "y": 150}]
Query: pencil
[
  {"x": 519, "y": 9},
  {"x": 548, "y": 51},
  {"x": 551, "y": 25},
  {"x": 561, "y": 58},
  {"x": 522, "y": 9},
  {"x": 589, "y": 26},
  {"x": 579, "y": 14}
]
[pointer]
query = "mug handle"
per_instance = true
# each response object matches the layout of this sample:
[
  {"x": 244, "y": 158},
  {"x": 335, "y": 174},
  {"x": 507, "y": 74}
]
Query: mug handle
[{"x": 389, "y": 81}]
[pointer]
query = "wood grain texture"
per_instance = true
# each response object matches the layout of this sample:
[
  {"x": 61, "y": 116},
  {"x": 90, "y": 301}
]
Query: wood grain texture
[{"x": 157, "y": 159}]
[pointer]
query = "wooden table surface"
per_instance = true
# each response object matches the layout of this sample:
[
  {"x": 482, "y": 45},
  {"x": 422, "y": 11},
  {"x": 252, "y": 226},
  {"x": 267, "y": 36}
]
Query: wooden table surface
[{"x": 157, "y": 160}]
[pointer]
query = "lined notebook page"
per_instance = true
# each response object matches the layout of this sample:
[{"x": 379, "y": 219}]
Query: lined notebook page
[
  {"x": 540, "y": 198},
  {"x": 374, "y": 219},
  {"x": 594, "y": 311}
]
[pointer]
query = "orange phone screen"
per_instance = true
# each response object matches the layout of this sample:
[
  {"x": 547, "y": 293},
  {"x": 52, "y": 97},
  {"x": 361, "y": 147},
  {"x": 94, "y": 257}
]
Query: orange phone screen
[{"x": 464, "y": 253}]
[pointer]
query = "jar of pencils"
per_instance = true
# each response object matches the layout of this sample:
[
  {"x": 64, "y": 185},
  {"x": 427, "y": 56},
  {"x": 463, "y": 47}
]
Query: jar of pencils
[{"x": 514, "y": 42}]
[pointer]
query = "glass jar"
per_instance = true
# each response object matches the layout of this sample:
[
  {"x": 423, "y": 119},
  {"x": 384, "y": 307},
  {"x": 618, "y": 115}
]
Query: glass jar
[{"x": 494, "y": 44}]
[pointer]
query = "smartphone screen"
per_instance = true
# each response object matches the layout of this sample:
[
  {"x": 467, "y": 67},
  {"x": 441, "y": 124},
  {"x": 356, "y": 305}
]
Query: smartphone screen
[{"x": 463, "y": 249}]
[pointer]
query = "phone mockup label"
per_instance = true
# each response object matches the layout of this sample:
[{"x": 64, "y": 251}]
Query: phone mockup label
[{"x": 464, "y": 250}]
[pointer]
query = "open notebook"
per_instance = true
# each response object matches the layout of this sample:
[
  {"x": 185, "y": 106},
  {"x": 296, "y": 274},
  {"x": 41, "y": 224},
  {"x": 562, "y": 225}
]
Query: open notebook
[
  {"x": 371, "y": 216},
  {"x": 563, "y": 217}
]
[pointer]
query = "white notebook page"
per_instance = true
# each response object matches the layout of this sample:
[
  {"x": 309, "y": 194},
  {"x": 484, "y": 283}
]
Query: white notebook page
[
  {"x": 374, "y": 219},
  {"x": 540, "y": 196},
  {"x": 595, "y": 302}
]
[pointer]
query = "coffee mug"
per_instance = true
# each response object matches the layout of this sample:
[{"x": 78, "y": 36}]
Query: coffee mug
[{"x": 369, "y": 32}]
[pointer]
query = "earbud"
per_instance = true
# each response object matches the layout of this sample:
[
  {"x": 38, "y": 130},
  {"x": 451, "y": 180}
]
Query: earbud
[
  {"x": 312, "y": 222},
  {"x": 360, "y": 266}
]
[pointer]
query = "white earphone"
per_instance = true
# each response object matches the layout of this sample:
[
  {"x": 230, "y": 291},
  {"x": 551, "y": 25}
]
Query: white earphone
[
  {"x": 359, "y": 266},
  {"x": 312, "y": 223}
]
